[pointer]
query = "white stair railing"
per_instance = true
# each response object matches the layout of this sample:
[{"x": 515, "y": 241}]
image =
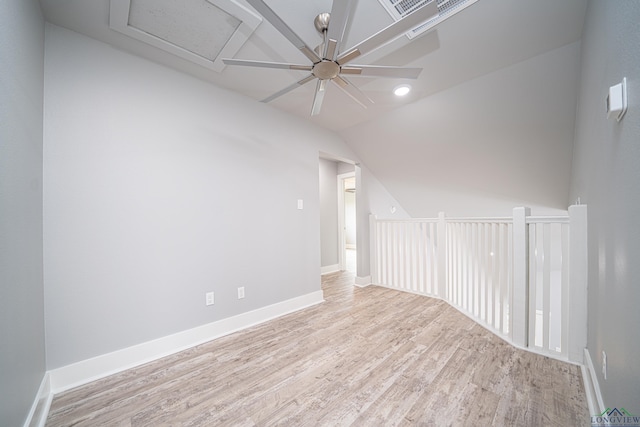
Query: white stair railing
[
  {"x": 479, "y": 270},
  {"x": 548, "y": 284},
  {"x": 406, "y": 255},
  {"x": 524, "y": 277}
]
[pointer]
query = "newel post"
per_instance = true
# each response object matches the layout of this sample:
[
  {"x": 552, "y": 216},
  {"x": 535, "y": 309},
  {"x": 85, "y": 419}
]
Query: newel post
[
  {"x": 578, "y": 275},
  {"x": 520, "y": 294},
  {"x": 441, "y": 241}
]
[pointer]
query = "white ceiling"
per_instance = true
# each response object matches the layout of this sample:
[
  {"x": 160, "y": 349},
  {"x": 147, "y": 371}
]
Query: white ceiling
[{"x": 488, "y": 36}]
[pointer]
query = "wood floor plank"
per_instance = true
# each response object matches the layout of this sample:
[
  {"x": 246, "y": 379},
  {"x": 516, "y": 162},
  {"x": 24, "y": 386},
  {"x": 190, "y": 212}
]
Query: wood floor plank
[{"x": 367, "y": 356}]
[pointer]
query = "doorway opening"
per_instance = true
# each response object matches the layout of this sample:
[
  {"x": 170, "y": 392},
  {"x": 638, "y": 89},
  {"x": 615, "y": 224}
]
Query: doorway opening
[
  {"x": 339, "y": 186},
  {"x": 347, "y": 222}
]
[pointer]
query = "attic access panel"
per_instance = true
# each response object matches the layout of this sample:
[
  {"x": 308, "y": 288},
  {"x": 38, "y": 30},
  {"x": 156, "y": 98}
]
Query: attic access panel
[
  {"x": 446, "y": 9},
  {"x": 200, "y": 31}
]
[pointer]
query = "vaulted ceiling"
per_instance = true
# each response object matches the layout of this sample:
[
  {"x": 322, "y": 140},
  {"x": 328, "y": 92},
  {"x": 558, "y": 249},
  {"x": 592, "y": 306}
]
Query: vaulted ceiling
[
  {"x": 454, "y": 113},
  {"x": 485, "y": 37}
]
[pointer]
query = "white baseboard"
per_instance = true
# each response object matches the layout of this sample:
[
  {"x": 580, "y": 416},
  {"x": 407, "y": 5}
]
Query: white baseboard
[
  {"x": 363, "y": 282},
  {"x": 327, "y": 269},
  {"x": 85, "y": 371},
  {"x": 40, "y": 408},
  {"x": 591, "y": 386}
]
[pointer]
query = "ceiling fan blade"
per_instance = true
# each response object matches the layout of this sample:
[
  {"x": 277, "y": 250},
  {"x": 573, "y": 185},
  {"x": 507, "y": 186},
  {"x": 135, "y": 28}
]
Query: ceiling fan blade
[
  {"x": 390, "y": 33},
  {"x": 321, "y": 89},
  {"x": 284, "y": 29},
  {"x": 265, "y": 64},
  {"x": 381, "y": 71},
  {"x": 341, "y": 11},
  {"x": 353, "y": 91},
  {"x": 289, "y": 88}
]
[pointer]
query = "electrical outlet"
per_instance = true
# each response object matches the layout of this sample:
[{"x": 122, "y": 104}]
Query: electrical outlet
[
  {"x": 604, "y": 364},
  {"x": 209, "y": 298},
  {"x": 241, "y": 292}
]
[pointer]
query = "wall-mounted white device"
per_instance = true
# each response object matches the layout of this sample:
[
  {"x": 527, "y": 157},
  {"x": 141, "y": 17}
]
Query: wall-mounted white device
[{"x": 617, "y": 101}]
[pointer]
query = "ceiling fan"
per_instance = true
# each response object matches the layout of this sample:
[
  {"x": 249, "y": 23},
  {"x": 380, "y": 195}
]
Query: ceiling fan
[{"x": 330, "y": 62}]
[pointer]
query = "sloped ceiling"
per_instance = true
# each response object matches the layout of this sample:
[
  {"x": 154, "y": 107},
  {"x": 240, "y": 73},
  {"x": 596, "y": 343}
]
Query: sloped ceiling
[
  {"x": 484, "y": 146},
  {"x": 498, "y": 89}
]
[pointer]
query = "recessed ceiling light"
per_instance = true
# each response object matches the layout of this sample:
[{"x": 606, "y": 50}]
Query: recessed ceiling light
[{"x": 402, "y": 90}]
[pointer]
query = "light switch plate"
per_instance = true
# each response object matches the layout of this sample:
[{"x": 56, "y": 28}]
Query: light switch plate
[{"x": 617, "y": 101}]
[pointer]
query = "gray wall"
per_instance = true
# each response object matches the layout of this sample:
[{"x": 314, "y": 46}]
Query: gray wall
[
  {"x": 329, "y": 213},
  {"x": 606, "y": 176},
  {"x": 22, "y": 352},
  {"x": 160, "y": 187}
]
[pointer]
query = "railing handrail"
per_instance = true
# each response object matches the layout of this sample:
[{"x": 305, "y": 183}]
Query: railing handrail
[
  {"x": 408, "y": 220},
  {"x": 497, "y": 219},
  {"x": 501, "y": 220},
  {"x": 547, "y": 219}
]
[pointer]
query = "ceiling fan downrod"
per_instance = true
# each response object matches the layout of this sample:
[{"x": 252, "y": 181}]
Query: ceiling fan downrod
[{"x": 325, "y": 69}]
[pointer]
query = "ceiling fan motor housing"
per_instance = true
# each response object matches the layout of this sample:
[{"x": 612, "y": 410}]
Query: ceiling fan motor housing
[{"x": 326, "y": 69}]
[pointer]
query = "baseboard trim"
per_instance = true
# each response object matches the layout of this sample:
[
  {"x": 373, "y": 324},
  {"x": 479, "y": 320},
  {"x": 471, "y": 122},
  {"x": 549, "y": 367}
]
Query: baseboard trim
[
  {"x": 591, "y": 386},
  {"x": 40, "y": 407},
  {"x": 85, "y": 371},
  {"x": 328, "y": 269},
  {"x": 363, "y": 282}
]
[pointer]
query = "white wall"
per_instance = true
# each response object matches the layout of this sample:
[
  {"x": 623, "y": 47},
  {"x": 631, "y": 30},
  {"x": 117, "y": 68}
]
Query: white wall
[
  {"x": 22, "y": 350},
  {"x": 605, "y": 176},
  {"x": 328, "y": 213},
  {"x": 160, "y": 187},
  {"x": 483, "y": 147}
]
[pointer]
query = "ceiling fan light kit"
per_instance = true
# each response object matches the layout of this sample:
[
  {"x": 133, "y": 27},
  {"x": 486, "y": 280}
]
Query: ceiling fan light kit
[{"x": 329, "y": 62}]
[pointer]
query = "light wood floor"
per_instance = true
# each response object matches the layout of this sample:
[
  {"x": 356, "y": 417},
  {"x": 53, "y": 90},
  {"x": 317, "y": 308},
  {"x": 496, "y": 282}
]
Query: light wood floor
[{"x": 366, "y": 357}]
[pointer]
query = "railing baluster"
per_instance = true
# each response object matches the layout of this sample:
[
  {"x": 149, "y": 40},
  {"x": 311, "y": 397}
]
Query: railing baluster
[
  {"x": 546, "y": 289},
  {"x": 509, "y": 323},
  {"x": 458, "y": 258},
  {"x": 415, "y": 257},
  {"x": 533, "y": 266},
  {"x": 501, "y": 277},
  {"x": 564, "y": 348},
  {"x": 393, "y": 249},
  {"x": 555, "y": 288},
  {"x": 492, "y": 279}
]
